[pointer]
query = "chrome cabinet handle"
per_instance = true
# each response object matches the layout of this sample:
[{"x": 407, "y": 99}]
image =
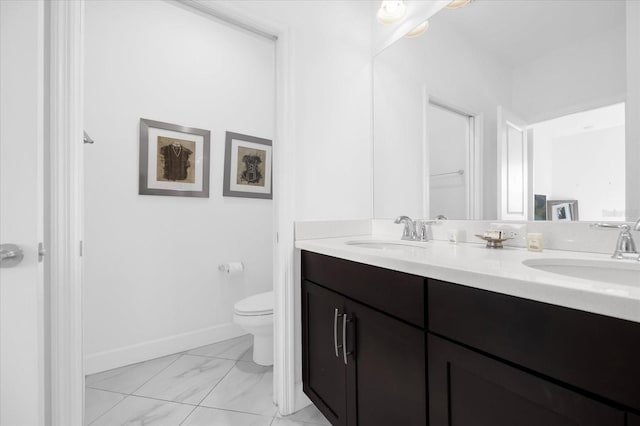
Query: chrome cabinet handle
[
  {"x": 345, "y": 354},
  {"x": 10, "y": 255},
  {"x": 336, "y": 346}
]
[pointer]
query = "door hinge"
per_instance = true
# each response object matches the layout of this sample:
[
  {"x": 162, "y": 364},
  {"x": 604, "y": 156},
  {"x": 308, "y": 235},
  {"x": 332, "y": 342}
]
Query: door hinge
[{"x": 81, "y": 248}]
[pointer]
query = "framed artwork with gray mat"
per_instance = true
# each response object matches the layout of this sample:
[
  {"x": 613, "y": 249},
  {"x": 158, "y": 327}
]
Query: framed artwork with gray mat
[
  {"x": 174, "y": 160},
  {"x": 247, "y": 167},
  {"x": 562, "y": 210}
]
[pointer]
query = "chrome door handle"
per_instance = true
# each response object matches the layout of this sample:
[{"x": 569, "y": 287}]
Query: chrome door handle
[
  {"x": 336, "y": 346},
  {"x": 345, "y": 354},
  {"x": 10, "y": 255}
]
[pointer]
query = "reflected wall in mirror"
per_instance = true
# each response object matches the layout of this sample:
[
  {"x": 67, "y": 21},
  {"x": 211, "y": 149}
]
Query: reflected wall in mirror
[{"x": 501, "y": 103}]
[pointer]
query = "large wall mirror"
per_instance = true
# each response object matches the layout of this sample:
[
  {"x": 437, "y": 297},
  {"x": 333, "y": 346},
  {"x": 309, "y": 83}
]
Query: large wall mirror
[{"x": 511, "y": 110}]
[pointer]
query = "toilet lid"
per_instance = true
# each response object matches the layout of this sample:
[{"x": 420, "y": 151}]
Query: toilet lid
[{"x": 258, "y": 304}]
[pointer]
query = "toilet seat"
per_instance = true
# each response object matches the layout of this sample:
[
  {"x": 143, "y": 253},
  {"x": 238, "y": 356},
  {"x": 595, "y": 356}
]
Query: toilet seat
[{"x": 257, "y": 305}]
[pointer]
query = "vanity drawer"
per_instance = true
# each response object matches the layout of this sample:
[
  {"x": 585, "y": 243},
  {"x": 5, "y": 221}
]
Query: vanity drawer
[
  {"x": 596, "y": 353},
  {"x": 395, "y": 293}
]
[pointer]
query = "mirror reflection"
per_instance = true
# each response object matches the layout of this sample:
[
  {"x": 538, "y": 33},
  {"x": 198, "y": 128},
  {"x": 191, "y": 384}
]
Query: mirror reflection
[{"x": 504, "y": 110}]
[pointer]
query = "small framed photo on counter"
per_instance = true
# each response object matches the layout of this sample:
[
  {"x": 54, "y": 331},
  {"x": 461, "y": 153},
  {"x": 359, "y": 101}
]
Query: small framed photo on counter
[
  {"x": 174, "y": 160},
  {"x": 562, "y": 210}
]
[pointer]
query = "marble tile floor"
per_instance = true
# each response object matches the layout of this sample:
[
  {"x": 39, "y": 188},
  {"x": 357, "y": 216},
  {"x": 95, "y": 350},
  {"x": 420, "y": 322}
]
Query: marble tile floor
[{"x": 215, "y": 385}]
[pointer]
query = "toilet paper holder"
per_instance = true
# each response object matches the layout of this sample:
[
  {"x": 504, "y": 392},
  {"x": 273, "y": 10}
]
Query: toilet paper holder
[{"x": 231, "y": 267}]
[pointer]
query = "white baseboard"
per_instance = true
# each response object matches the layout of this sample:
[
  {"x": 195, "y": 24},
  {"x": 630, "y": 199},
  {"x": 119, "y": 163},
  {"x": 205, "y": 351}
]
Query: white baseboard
[{"x": 114, "y": 358}]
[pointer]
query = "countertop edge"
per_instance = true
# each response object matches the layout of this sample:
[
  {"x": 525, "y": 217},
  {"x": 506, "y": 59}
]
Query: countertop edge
[{"x": 573, "y": 293}]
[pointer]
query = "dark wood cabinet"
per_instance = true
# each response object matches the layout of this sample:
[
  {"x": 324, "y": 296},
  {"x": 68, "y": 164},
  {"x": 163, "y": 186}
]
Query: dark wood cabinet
[
  {"x": 470, "y": 389},
  {"x": 381, "y": 380},
  {"x": 324, "y": 372},
  {"x": 381, "y": 347},
  {"x": 633, "y": 420},
  {"x": 595, "y": 353},
  {"x": 389, "y": 366}
]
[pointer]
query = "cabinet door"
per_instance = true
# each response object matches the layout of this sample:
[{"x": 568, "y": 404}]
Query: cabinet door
[
  {"x": 470, "y": 389},
  {"x": 388, "y": 366},
  {"x": 633, "y": 420},
  {"x": 323, "y": 372}
]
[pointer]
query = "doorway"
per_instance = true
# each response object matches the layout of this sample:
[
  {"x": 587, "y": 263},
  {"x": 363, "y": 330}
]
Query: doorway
[
  {"x": 67, "y": 34},
  {"x": 451, "y": 140}
]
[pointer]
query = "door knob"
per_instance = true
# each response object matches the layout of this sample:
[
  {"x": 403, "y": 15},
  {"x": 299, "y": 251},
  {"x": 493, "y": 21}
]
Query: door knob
[{"x": 10, "y": 255}]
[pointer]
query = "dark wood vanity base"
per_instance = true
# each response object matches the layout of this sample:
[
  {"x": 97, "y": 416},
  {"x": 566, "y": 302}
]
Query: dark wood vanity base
[
  {"x": 351, "y": 307},
  {"x": 427, "y": 352}
]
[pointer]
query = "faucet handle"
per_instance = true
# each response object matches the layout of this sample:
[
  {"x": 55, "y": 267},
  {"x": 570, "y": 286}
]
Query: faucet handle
[
  {"x": 623, "y": 227},
  {"x": 423, "y": 230},
  {"x": 625, "y": 245}
]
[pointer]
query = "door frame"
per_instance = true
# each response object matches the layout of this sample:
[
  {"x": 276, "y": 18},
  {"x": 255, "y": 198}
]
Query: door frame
[{"x": 66, "y": 219}]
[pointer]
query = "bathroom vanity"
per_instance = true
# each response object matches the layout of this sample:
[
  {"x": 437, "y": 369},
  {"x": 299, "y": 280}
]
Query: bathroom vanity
[
  {"x": 364, "y": 342},
  {"x": 388, "y": 341}
]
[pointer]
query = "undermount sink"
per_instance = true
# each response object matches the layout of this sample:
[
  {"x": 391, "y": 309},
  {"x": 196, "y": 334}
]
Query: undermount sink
[
  {"x": 610, "y": 271},
  {"x": 384, "y": 245}
]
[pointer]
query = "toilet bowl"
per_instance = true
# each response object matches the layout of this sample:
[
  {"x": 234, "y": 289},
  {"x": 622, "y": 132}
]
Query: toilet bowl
[{"x": 255, "y": 315}]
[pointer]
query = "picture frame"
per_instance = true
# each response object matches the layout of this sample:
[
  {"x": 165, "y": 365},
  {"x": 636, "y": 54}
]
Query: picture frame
[
  {"x": 174, "y": 160},
  {"x": 247, "y": 167},
  {"x": 539, "y": 207},
  {"x": 562, "y": 210}
]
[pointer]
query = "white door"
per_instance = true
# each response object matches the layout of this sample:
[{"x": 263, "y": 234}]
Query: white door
[
  {"x": 513, "y": 187},
  {"x": 449, "y": 137},
  {"x": 21, "y": 212}
]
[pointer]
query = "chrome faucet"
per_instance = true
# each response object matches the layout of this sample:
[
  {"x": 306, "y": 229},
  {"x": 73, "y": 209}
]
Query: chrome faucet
[
  {"x": 416, "y": 230},
  {"x": 625, "y": 246}
]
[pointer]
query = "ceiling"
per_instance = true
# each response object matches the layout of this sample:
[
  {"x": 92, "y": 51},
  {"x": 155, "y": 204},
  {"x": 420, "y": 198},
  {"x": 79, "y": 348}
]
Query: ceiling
[{"x": 518, "y": 30}]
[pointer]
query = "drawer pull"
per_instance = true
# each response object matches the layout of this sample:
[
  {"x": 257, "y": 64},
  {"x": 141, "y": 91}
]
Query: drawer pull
[
  {"x": 336, "y": 346},
  {"x": 345, "y": 354}
]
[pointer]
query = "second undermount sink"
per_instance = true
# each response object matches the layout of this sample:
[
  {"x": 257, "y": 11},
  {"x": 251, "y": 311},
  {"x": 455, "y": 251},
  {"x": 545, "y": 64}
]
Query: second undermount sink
[
  {"x": 385, "y": 245},
  {"x": 609, "y": 271}
]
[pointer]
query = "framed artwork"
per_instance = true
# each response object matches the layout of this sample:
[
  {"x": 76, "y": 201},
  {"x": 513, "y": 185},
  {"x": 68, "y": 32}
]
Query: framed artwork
[
  {"x": 562, "y": 210},
  {"x": 539, "y": 207},
  {"x": 174, "y": 160},
  {"x": 247, "y": 167}
]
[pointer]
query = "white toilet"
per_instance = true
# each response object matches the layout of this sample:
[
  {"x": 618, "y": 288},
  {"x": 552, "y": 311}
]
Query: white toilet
[{"x": 255, "y": 315}]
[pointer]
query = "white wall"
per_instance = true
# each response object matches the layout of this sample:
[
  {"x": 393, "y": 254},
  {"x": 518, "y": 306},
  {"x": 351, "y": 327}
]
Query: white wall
[
  {"x": 331, "y": 72},
  {"x": 581, "y": 76},
  {"x": 152, "y": 284},
  {"x": 398, "y": 145},
  {"x": 581, "y": 157},
  {"x": 632, "y": 151},
  {"x": 587, "y": 167}
]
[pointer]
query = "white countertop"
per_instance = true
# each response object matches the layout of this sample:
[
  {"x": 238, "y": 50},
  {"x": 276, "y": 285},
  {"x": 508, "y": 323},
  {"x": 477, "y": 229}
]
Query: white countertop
[{"x": 498, "y": 270}]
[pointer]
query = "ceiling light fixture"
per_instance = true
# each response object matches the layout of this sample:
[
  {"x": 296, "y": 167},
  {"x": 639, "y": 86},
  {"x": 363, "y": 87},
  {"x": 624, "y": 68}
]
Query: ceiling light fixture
[
  {"x": 391, "y": 11},
  {"x": 419, "y": 30},
  {"x": 457, "y": 4}
]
